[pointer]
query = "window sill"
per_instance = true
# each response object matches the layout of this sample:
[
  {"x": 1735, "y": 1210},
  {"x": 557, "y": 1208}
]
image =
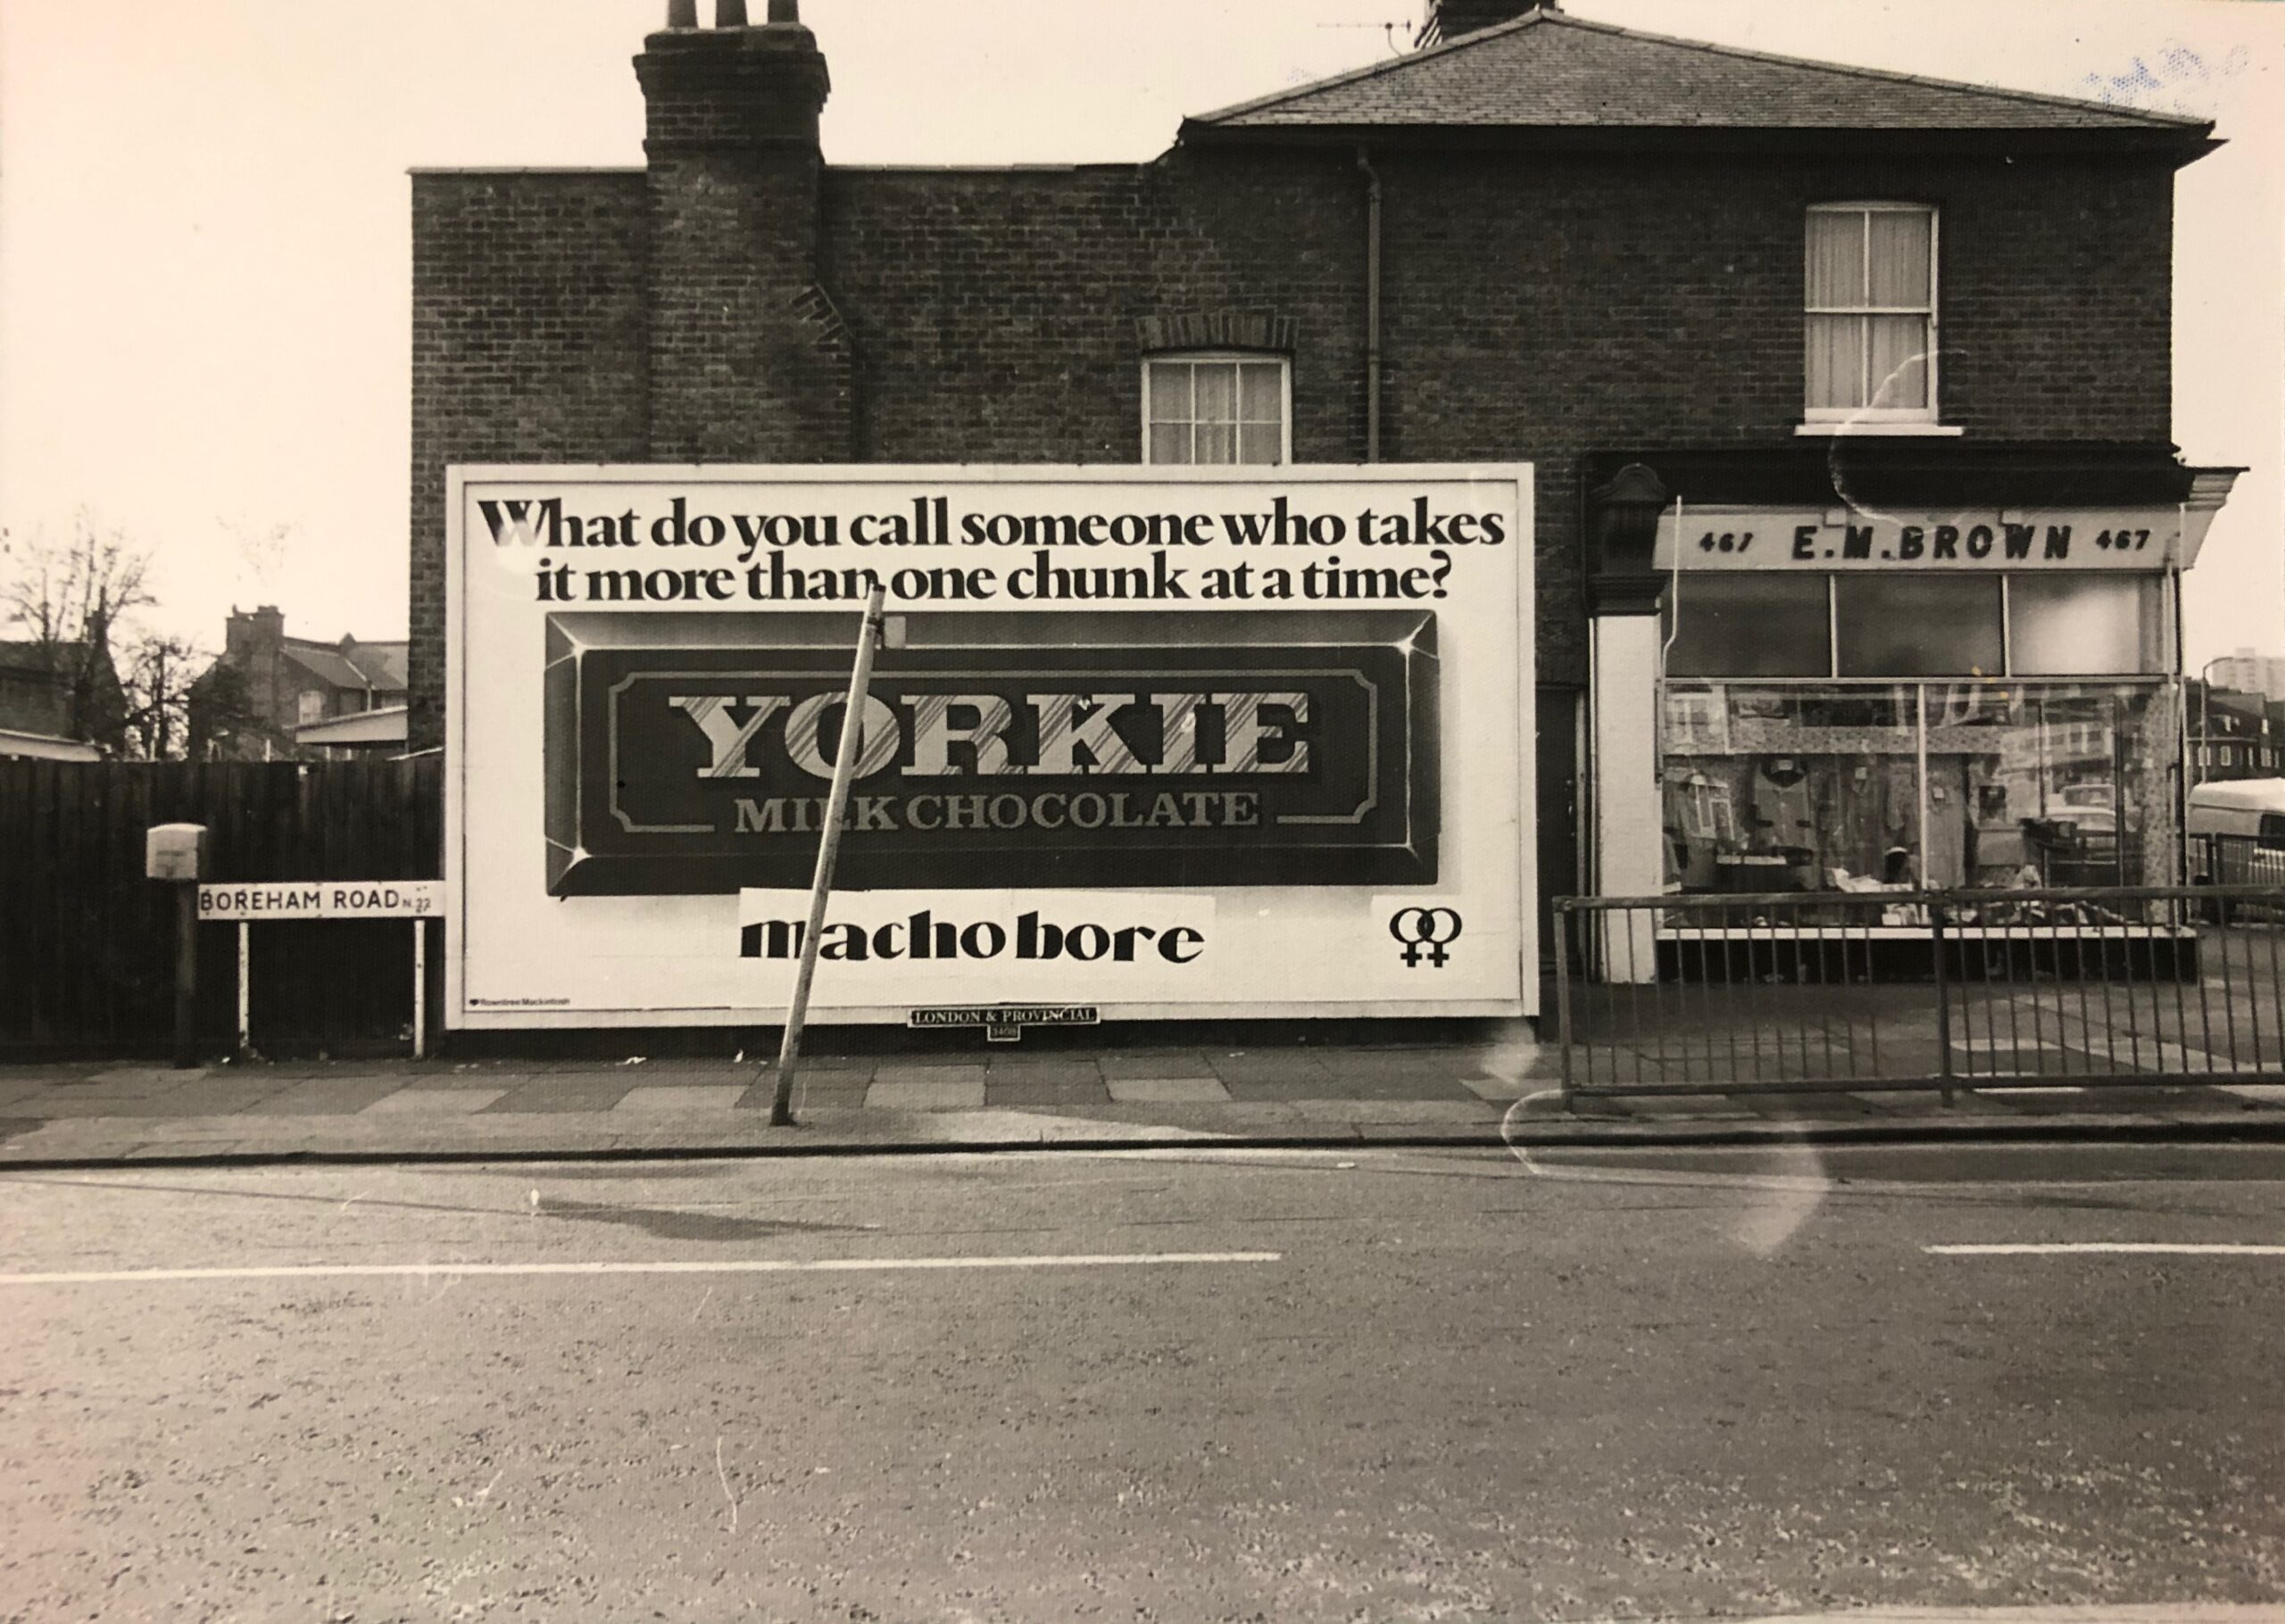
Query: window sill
[{"x": 1860, "y": 429}]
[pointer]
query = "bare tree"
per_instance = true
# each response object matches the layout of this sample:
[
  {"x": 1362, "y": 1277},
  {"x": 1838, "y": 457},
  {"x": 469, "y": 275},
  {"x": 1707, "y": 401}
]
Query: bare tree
[
  {"x": 70, "y": 596},
  {"x": 159, "y": 672}
]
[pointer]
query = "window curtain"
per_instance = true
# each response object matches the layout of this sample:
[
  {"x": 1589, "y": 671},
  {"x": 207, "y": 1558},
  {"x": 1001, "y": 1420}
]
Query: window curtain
[{"x": 1876, "y": 262}]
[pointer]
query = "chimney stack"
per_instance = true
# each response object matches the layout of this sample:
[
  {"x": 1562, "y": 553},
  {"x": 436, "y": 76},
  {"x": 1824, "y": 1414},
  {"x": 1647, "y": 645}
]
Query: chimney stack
[
  {"x": 746, "y": 363},
  {"x": 1448, "y": 20}
]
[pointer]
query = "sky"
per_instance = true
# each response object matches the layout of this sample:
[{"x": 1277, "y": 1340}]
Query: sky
[{"x": 205, "y": 250}]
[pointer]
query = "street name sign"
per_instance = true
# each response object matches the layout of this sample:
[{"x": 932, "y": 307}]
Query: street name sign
[{"x": 322, "y": 900}]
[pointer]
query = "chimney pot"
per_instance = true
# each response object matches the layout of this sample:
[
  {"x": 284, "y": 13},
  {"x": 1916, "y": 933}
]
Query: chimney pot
[
  {"x": 682, "y": 13},
  {"x": 785, "y": 11},
  {"x": 729, "y": 13}
]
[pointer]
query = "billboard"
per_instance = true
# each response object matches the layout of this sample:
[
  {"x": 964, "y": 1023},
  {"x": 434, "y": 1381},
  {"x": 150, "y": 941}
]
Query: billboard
[{"x": 1154, "y": 742}]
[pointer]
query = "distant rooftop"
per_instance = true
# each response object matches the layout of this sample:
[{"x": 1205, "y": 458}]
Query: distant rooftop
[{"x": 350, "y": 664}]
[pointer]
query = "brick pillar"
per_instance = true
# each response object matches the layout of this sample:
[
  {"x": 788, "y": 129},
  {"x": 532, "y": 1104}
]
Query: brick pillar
[{"x": 748, "y": 361}]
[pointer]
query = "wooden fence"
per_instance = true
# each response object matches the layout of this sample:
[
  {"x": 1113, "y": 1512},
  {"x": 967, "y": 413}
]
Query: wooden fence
[{"x": 86, "y": 951}]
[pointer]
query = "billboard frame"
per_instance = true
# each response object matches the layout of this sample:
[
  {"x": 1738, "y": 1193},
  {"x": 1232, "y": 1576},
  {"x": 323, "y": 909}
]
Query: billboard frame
[{"x": 458, "y": 1014}]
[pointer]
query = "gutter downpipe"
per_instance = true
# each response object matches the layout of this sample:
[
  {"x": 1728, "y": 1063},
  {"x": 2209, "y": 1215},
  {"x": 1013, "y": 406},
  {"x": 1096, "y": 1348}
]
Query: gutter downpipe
[{"x": 1372, "y": 305}]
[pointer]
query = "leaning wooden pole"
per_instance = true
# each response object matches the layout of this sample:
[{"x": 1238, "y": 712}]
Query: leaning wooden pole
[{"x": 836, "y": 808}]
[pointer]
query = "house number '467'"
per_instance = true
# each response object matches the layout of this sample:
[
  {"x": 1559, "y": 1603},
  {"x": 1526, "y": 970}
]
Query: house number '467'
[{"x": 1725, "y": 541}]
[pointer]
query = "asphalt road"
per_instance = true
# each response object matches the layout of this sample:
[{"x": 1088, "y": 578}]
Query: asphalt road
[{"x": 1180, "y": 1386}]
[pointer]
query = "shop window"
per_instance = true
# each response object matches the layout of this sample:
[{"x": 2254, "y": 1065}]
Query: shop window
[
  {"x": 2085, "y": 626},
  {"x": 1750, "y": 624},
  {"x": 1871, "y": 312},
  {"x": 1216, "y": 409},
  {"x": 1918, "y": 626},
  {"x": 2058, "y": 785},
  {"x": 1789, "y": 789},
  {"x": 1774, "y": 788}
]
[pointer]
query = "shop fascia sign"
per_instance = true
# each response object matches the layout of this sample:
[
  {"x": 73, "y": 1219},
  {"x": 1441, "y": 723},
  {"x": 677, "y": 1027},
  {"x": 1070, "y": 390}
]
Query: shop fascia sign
[{"x": 2151, "y": 537}]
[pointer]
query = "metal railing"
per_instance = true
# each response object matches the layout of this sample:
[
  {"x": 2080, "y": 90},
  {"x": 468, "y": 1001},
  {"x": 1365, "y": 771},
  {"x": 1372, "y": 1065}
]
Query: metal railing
[
  {"x": 1860, "y": 991},
  {"x": 2236, "y": 859}
]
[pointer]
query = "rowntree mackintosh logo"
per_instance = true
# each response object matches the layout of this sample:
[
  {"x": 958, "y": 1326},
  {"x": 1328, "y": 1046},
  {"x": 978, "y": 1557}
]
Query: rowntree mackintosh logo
[{"x": 693, "y": 752}]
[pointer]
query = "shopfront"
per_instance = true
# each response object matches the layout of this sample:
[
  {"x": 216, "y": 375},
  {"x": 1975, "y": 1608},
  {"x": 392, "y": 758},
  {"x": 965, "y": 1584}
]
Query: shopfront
[{"x": 1935, "y": 695}]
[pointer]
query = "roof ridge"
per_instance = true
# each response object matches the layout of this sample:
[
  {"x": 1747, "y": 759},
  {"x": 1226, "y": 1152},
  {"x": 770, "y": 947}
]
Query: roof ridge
[
  {"x": 1556, "y": 18},
  {"x": 1374, "y": 70}
]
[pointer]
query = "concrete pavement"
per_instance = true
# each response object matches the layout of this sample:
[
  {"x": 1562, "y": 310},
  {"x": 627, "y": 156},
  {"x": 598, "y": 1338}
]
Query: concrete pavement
[{"x": 1486, "y": 1093}]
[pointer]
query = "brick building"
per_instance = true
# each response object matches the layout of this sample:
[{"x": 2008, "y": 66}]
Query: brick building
[
  {"x": 59, "y": 701},
  {"x": 272, "y": 696},
  {"x": 1707, "y": 294},
  {"x": 2233, "y": 733}
]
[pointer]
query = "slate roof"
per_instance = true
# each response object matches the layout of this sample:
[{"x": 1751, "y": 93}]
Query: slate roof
[
  {"x": 1550, "y": 70},
  {"x": 36, "y": 686},
  {"x": 385, "y": 663},
  {"x": 379, "y": 666},
  {"x": 38, "y": 657}
]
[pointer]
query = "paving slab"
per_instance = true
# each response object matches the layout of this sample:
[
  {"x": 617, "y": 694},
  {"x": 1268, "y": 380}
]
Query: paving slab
[
  {"x": 1411, "y": 1062},
  {"x": 1045, "y": 1071},
  {"x": 1268, "y": 1067},
  {"x": 830, "y": 1090},
  {"x": 938, "y": 1093},
  {"x": 1155, "y": 1063},
  {"x": 554, "y": 1094},
  {"x": 433, "y": 1102},
  {"x": 325, "y": 1097},
  {"x": 1326, "y": 1086},
  {"x": 1169, "y": 1090},
  {"x": 129, "y": 1081},
  {"x": 902, "y": 1073},
  {"x": 1024, "y": 1091},
  {"x": 475, "y": 1082},
  {"x": 680, "y": 1096}
]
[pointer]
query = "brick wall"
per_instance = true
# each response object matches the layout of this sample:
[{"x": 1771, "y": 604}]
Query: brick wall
[
  {"x": 2058, "y": 317},
  {"x": 748, "y": 362},
  {"x": 529, "y": 345},
  {"x": 1535, "y": 308},
  {"x": 995, "y": 313}
]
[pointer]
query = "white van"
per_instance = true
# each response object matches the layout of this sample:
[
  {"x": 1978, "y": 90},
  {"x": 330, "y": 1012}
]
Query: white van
[{"x": 2235, "y": 832}]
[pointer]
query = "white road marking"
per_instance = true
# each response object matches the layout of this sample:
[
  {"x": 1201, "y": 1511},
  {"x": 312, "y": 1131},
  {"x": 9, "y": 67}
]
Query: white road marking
[
  {"x": 2134, "y": 1248},
  {"x": 767, "y": 1265}
]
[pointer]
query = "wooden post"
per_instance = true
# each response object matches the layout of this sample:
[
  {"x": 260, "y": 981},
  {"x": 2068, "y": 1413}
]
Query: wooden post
[
  {"x": 185, "y": 973},
  {"x": 845, "y": 769},
  {"x": 419, "y": 988},
  {"x": 246, "y": 989}
]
